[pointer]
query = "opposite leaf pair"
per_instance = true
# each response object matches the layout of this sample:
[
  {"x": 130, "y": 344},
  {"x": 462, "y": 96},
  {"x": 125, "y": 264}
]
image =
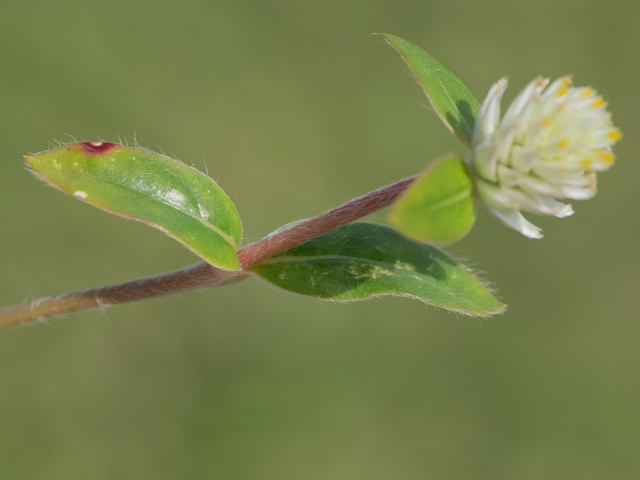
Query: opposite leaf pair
[{"x": 353, "y": 262}]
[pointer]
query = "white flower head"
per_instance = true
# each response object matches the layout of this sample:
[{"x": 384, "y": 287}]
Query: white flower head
[{"x": 549, "y": 144}]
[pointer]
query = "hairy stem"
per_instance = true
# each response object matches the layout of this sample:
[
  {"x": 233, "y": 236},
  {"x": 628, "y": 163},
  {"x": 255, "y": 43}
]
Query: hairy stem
[
  {"x": 198, "y": 276},
  {"x": 314, "y": 227},
  {"x": 204, "y": 275}
]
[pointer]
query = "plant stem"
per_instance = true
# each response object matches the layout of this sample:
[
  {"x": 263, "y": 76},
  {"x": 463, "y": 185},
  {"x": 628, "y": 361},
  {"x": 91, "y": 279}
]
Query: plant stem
[
  {"x": 314, "y": 227},
  {"x": 197, "y": 276},
  {"x": 203, "y": 274}
]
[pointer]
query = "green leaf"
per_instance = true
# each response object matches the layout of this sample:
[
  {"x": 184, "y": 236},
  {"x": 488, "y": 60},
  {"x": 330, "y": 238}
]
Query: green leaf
[
  {"x": 453, "y": 102},
  {"x": 362, "y": 260},
  {"x": 152, "y": 188},
  {"x": 438, "y": 207}
]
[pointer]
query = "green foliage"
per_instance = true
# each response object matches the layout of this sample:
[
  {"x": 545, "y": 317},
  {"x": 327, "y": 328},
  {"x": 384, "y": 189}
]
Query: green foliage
[
  {"x": 438, "y": 207},
  {"x": 453, "y": 102},
  {"x": 152, "y": 188},
  {"x": 361, "y": 260}
]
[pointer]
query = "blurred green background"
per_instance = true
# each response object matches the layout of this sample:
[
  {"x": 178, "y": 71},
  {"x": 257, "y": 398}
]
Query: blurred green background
[{"x": 296, "y": 108}]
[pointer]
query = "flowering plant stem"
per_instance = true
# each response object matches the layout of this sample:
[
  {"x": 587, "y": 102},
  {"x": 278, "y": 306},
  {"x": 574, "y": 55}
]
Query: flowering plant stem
[{"x": 203, "y": 274}]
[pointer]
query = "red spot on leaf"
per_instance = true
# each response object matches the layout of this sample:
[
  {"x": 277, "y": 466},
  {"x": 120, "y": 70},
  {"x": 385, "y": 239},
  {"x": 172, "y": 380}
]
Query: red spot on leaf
[{"x": 98, "y": 147}]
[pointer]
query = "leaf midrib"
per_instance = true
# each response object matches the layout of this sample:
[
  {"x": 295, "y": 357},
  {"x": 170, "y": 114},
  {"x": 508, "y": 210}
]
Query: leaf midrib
[
  {"x": 450, "y": 200},
  {"x": 217, "y": 230},
  {"x": 342, "y": 258}
]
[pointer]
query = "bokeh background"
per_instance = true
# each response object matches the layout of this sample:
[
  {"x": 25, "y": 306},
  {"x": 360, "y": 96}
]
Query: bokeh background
[{"x": 296, "y": 107}]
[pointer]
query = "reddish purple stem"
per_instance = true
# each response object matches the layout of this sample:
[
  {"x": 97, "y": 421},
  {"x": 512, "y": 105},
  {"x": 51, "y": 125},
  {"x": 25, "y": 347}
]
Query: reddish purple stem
[
  {"x": 350, "y": 211},
  {"x": 204, "y": 274}
]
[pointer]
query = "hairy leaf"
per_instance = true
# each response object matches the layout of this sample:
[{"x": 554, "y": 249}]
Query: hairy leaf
[
  {"x": 453, "y": 102},
  {"x": 438, "y": 207},
  {"x": 152, "y": 188},
  {"x": 362, "y": 260}
]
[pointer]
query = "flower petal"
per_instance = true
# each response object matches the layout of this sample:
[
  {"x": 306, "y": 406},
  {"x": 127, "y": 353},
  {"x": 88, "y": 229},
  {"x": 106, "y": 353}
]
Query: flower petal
[
  {"x": 485, "y": 161},
  {"x": 517, "y": 222},
  {"x": 526, "y": 96},
  {"x": 488, "y": 117}
]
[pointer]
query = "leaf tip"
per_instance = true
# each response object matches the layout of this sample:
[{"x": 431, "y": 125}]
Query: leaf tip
[
  {"x": 387, "y": 39},
  {"x": 499, "y": 310},
  {"x": 31, "y": 161}
]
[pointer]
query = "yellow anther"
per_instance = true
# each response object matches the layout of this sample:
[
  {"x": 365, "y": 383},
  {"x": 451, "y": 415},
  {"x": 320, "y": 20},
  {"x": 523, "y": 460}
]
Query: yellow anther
[
  {"x": 566, "y": 81},
  {"x": 586, "y": 164},
  {"x": 615, "y": 134},
  {"x": 562, "y": 144},
  {"x": 604, "y": 155},
  {"x": 598, "y": 103},
  {"x": 561, "y": 108},
  {"x": 587, "y": 92},
  {"x": 607, "y": 157},
  {"x": 546, "y": 122},
  {"x": 563, "y": 90}
]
